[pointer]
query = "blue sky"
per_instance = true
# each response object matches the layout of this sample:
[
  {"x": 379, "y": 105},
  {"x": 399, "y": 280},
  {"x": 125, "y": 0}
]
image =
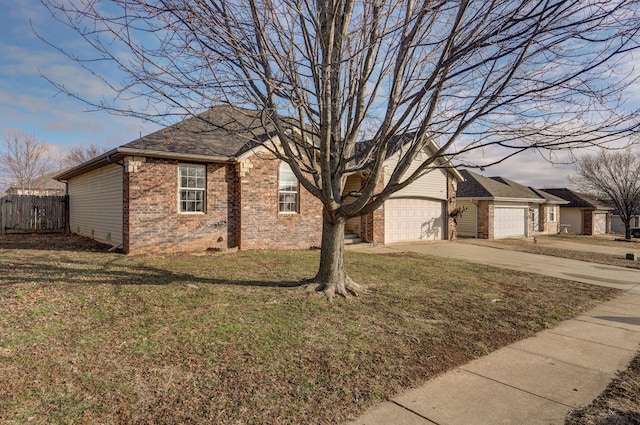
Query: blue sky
[{"x": 28, "y": 102}]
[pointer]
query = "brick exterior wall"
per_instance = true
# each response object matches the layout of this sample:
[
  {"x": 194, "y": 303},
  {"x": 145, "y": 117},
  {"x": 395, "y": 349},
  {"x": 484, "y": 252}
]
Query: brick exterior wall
[
  {"x": 452, "y": 231},
  {"x": 587, "y": 222},
  {"x": 262, "y": 226},
  {"x": 241, "y": 210},
  {"x": 125, "y": 213},
  {"x": 529, "y": 222},
  {"x": 485, "y": 219},
  {"x": 549, "y": 227},
  {"x": 152, "y": 222},
  {"x": 375, "y": 220}
]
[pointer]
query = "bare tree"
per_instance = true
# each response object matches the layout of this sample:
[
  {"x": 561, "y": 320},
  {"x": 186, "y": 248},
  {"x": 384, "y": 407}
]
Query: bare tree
[
  {"x": 79, "y": 154},
  {"x": 25, "y": 160},
  {"x": 614, "y": 176},
  {"x": 468, "y": 75}
]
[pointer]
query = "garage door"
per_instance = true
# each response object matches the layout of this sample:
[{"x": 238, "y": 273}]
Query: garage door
[
  {"x": 599, "y": 224},
  {"x": 413, "y": 220},
  {"x": 509, "y": 222}
]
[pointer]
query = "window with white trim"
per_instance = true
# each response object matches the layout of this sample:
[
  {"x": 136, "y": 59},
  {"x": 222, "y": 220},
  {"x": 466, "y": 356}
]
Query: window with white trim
[
  {"x": 552, "y": 213},
  {"x": 287, "y": 190},
  {"x": 192, "y": 187}
]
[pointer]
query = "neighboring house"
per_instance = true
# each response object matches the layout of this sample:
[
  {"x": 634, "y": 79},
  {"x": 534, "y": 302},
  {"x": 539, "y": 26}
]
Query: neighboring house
[
  {"x": 209, "y": 183},
  {"x": 583, "y": 215},
  {"x": 496, "y": 208},
  {"x": 617, "y": 226},
  {"x": 47, "y": 186}
]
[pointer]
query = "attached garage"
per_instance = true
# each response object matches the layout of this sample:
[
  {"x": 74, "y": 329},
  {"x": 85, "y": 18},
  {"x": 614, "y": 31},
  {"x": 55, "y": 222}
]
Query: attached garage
[
  {"x": 510, "y": 222},
  {"x": 496, "y": 207},
  {"x": 414, "y": 219},
  {"x": 583, "y": 214}
]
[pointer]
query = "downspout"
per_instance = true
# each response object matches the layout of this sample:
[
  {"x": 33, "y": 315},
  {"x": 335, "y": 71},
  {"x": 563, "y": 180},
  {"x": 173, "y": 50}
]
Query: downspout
[{"x": 111, "y": 161}]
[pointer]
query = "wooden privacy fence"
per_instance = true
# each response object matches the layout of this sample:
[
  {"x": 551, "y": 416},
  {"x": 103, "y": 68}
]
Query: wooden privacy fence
[{"x": 33, "y": 214}]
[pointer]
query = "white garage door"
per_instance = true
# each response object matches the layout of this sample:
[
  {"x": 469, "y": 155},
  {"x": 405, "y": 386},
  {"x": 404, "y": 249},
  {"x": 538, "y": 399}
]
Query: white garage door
[
  {"x": 599, "y": 224},
  {"x": 413, "y": 220},
  {"x": 509, "y": 222}
]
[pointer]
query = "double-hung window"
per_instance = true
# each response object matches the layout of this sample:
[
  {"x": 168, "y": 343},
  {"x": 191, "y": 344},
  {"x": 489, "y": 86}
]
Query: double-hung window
[
  {"x": 192, "y": 187},
  {"x": 552, "y": 213},
  {"x": 288, "y": 190}
]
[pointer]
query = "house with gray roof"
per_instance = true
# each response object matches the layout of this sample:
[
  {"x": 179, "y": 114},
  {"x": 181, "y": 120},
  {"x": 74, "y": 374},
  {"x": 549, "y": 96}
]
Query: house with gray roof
[
  {"x": 209, "y": 182},
  {"x": 496, "y": 207},
  {"x": 583, "y": 214}
]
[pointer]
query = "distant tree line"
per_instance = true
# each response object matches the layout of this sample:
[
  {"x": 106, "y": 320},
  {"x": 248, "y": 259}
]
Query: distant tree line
[{"x": 28, "y": 163}]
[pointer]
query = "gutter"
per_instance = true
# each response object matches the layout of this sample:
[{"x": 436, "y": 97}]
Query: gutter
[
  {"x": 111, "y": 161},
  {"x": 493, "y": 198},
  {"x": 116, "y": 154}
]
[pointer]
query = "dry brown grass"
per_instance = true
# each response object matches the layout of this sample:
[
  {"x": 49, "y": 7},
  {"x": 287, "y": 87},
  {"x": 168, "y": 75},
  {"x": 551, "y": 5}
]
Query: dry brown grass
[
  {"x": 619, "y": 404},
  {"x": 582, "y": 255},
  {"x": 95, "y": 337}
]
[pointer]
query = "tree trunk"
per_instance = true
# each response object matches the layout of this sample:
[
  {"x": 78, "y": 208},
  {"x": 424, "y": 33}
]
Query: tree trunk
[
  {"x": 627, "y": 229},
  {"x": 332, "y": 279}
]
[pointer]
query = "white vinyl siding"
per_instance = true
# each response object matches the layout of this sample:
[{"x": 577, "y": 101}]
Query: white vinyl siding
[
  {"x": 617, "y": 225},
  {"x": 95, "y": 204},
  {"x": 409, "y": 219},
  {"x": 431, "y": 185},
  {"x": 467, "y": 224}
]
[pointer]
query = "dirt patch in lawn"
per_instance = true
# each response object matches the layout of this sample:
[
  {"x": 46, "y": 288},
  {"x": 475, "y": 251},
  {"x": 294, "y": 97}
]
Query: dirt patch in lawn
[
  {"x": 97, "y": 337},
  {"x": 51, "y": 242}
]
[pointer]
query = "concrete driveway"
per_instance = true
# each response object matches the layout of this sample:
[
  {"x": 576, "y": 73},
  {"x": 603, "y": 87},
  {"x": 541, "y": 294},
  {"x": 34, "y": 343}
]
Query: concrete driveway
[
  {"x": 534, "y": 381},
  {"x": 578, "y": 271}
]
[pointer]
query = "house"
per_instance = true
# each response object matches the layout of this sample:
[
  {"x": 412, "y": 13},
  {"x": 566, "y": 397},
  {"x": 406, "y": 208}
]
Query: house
[
  {"x": 208, "y": 182},
  {"x": 583, "y": 215},
  {"x": 45, "y": 186},
  {"x": 496, "y": 208},
  {"x": 617, "y": 226}
]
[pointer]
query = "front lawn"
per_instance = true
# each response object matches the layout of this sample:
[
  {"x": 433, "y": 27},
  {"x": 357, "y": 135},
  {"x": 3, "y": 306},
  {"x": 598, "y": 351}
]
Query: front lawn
[
  {"x": 619, "y": 403},
  {"x": 95, "y": 337}
]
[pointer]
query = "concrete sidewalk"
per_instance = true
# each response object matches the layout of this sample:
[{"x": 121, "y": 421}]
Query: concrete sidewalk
[{"x": 537, "y": 380}]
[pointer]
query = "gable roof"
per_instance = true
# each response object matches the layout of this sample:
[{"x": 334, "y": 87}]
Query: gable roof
[
  {"x": 395, "y": 145},
  {"x": 222, "y": 131},
  {"x": 551, "y": 199},
  {"x": 219, "y": 134},
  {"x": 578, "y": 200},
  {"x": 478, "y": 186}
]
